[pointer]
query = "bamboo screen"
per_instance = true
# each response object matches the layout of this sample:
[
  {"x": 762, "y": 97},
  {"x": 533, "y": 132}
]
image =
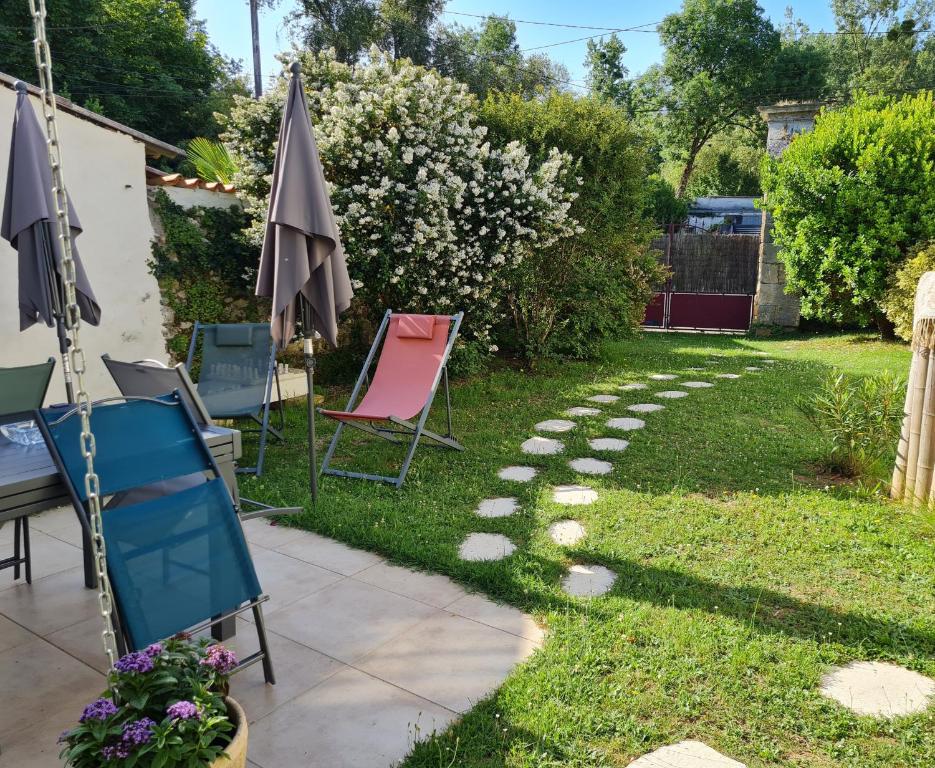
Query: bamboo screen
[{"x": 711, "y": 263}]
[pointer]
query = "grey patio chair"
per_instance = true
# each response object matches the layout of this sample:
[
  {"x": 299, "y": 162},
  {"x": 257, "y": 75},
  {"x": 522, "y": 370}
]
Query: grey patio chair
[
  {"x": 22, "y": 391},
  {"x": 238, "y": 367},
  {"x": 151, "y": 378}
]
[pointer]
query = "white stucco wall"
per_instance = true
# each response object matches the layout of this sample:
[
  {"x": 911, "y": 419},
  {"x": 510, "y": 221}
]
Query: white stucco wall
[
  {"x": 105, "y": 175},
  {"x": 205, "y": 198}
]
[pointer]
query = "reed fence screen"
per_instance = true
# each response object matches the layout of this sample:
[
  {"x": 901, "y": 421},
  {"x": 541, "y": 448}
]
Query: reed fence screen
[{"x": 709, "y": 262}]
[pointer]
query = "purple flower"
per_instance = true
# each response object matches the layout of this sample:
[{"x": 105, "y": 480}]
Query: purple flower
[
  {"x": 138, "y": 661},
  {"x": 137, "y": 732},
  {"x": 154, "y": 650},
  {"x": 98, "y": 710},
  {"x": 183, "y": 710},
  {"x": 118, "y": 751},
  {"x": 220, "y": 659}
]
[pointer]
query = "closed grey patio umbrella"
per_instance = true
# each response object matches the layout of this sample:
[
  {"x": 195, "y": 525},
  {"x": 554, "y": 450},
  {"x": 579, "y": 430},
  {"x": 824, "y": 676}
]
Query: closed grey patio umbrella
[
  {"x": 302, "y": 266},
  {"x": 29, "y": 225}
]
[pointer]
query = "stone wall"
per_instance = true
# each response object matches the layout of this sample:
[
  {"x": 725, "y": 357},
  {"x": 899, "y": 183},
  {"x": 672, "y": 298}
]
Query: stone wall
[{"x": 772, "y": 306}]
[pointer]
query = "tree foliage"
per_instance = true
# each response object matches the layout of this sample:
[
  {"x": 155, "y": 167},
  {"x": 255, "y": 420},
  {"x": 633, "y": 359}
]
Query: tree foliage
[
  {"x": 719, "y": 57},
  {"x": 850, "y": 199},
  {"x": 568, "y": 297},
  {"x": 607, "y": 74},
  {"x": 145, "y": 63},
  {"x": 488, "y": 58}
]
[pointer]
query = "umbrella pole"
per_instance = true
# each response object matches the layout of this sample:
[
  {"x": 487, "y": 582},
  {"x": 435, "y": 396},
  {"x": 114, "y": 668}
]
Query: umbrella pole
[
  {"x": 308, "y": 331},
  {"x": 63, "y": 344}
]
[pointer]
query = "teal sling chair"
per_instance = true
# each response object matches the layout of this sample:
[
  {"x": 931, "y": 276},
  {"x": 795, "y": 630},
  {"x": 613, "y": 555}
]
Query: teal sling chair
[
  {"x": 22, "y": 390},
  {"x": 176, "y": 554},
  {"x": 235, "y": 381}
]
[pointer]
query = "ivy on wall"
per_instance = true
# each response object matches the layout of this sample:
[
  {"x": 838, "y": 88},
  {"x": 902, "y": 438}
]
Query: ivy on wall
[{"x": 205, "y": 268}]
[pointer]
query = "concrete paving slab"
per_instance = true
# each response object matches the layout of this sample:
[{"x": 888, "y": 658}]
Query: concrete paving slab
[
  {"x": 518, "y": 474},
  {"x": 685, "y": 754},
  {"x": 480, "y": 547},
  {"x": 879, "y": 689},
  {"x": 542, "y": 446},
  {"x": 566, "y": 533}
]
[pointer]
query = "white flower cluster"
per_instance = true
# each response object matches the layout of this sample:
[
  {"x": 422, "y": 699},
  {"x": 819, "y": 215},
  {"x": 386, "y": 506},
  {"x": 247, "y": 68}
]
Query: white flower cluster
[{"x": 430, "y": 214}]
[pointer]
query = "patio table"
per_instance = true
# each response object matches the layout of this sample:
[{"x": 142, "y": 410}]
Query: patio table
[{"x": 30, "y": 481}]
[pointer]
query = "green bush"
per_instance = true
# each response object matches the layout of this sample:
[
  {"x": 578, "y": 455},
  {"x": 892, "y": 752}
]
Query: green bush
[
  {"x": 567, "y": 298},
  {"x": 850, "y": 199},
  {"x": 205, "y": 267},
  {"x": 859, "y": 420},
  {"x": 899, "y": 301}
]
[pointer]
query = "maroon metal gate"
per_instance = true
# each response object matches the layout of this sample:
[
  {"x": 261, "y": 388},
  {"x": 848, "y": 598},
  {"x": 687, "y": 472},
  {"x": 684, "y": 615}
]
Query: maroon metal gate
[{"x": 711, "y": 285}]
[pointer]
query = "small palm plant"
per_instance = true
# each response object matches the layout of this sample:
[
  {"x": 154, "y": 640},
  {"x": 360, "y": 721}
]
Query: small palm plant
[
  {"x": 859, "y": 419},
  {"x": 211, "y": 160}
]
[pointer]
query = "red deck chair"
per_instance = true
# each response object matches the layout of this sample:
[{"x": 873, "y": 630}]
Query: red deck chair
[{"x": 413, "y": 362}]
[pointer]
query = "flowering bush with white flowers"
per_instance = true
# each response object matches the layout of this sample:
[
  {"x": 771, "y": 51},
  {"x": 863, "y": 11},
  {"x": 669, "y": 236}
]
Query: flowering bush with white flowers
[{"x": 431, "y": 215}]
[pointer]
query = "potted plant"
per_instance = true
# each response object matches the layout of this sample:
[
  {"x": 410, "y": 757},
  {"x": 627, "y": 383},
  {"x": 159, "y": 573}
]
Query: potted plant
[{"x": 164, "y": 707}]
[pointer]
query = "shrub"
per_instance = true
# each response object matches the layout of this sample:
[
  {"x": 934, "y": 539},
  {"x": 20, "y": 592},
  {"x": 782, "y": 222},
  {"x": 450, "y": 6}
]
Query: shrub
[
  {"x": 859, "y": 419},
  {"x": 850, "y": 199},
  {"x": 568, "y": 296},
  {"x": 163, "y": 707},
  {"x": 205, "y": 268},
  {"x": 899, "y": 301},
  {"x": 430, "y": 214}
]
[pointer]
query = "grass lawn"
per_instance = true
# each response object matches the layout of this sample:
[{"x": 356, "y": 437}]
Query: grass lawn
[{"x": 742, "y": 576}]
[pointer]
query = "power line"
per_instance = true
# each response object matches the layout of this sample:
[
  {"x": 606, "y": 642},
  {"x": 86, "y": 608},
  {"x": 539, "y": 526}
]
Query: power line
[{"x": 552, "y": 23}]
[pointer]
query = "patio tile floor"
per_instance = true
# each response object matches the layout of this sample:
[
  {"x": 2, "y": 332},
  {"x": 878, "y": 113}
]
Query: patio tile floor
[{"x": 369, "y": 656}]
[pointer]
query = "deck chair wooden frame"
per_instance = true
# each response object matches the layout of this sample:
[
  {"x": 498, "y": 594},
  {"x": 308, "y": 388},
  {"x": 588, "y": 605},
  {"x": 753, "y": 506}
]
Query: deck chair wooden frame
[
  {"x": 218, "y": 624},
  {"x": 262, "y": 417},
  {"x": 400, "y": 428}
]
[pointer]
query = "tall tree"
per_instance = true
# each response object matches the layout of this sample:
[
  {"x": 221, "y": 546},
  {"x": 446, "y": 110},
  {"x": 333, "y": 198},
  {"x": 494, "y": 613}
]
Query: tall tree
[
  {"x": 406, "y": 27},
  {"x": 718, "y": 62},
  {"x": 347, "y": 26},
  {"x": 145, "y": 63},
  {"x": 488, "y": 59},
  {"x": 607, "y": 74}
]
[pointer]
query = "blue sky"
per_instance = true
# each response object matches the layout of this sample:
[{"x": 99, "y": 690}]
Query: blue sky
[{"x": 228, "y": 24}]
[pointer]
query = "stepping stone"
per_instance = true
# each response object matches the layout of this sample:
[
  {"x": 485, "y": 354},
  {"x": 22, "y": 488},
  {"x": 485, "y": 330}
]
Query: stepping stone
[
  {"x": 603, "y": 399},
  {"x": 633, "y": 386},
  {"x": 728, "y": 375},
  {"x": 672, "y": 394},
  {"x": 696, "y": 384},
  {"x": 588, "y": 580},
  {"x": 879, "y": 689},
  {"x": 573, "y": 494},
  {"x": 480, "y": 547},
  {"x": 555, "y": 425},
  {"x": 663, "y": 376},
  {"x": 566, "y": 533},
  {"x": 579, "y": 410},
  {"x": 685, "y": 754},
  {"x": 591, "y": 466},
  {"x": 519, "y": 474},
  {"x": 645, "y": 407},
  {"x": 608, "y": 444},
  {"x": 500, "y": 507},
  {"x": 695, "y": 368},
  {"x": 752, "y": 368},
  {"x": 626, "y": 423},
  {"x": 769, "y": 362},
  {"x": 542, "y": 446}
]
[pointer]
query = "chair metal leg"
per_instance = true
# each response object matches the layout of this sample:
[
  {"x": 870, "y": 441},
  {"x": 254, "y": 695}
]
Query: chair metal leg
[
  {"x": 268, "y": 673},
  {"x": 331, "y": 446},
  {"x": 17, "y": 530},
  {"x": 26, "y": 553}
]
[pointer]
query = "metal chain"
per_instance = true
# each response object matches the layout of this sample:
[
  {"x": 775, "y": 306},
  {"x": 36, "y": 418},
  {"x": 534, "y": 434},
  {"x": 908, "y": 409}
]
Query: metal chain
[{"x": 73, "y": 323}]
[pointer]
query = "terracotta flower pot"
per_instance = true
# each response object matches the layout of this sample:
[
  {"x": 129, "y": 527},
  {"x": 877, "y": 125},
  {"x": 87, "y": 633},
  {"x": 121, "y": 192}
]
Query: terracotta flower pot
[{"x": 236, "y": 753}]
